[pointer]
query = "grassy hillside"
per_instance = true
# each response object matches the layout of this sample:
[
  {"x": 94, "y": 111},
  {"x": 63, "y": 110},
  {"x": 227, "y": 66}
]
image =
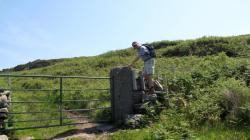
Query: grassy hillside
[
  {"x": 208, "y": 75},
  {"x": 33, "y": 65}
]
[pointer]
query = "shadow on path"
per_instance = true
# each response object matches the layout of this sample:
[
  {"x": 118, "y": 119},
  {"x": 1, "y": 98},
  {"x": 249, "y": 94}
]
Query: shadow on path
[{"x": 93, "y": 130}]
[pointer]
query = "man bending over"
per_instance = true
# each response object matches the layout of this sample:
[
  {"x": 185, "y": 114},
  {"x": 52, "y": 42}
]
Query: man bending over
[{"x": 149, "y": 64}]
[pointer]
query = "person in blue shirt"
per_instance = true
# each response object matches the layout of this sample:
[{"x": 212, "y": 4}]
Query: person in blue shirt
[{"x": 149, "y": 64}]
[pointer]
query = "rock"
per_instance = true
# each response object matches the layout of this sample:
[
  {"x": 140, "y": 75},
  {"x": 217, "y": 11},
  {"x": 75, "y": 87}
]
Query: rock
[
  {"x": 3, "y": 116},
  {"x": 137, "y": 96},
  {"x": 27, "y": 138},
  {"x": 7, "y": 93},
  {"x": 133, "y": 120},
  {"x": 3, "y": 137},
  {"x": 4, "y": 110},
  {"x": 139, "y": 108},
  {"x": 3, "y": 98},
  {"x": 1, "y": 90},
  {"x": 3, "y": 113},
  {"x": 150, "y": 97},
  {"x": 3, "y": 101}
]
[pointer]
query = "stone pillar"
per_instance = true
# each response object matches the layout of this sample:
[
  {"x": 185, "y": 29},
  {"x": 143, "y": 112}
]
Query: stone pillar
[{"x": 122, "y": 86}]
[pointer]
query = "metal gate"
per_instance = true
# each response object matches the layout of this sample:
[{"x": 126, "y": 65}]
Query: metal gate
[{"x": 41, "y": 101}]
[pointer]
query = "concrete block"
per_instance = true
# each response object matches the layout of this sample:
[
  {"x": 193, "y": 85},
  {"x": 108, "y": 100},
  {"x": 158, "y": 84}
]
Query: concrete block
[{"x": 121, "y": 93}]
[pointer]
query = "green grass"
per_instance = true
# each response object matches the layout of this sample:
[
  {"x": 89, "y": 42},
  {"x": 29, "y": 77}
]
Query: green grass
[
  {"x": 205, "y": 133},
  {"x": 42, "y": 133},
  {"x": 198, "y": 71},
  {"x": 223, "y": 133}
]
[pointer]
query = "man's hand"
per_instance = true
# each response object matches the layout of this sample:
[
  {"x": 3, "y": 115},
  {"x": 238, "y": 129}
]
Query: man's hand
[{"x": 133, "y": 62}]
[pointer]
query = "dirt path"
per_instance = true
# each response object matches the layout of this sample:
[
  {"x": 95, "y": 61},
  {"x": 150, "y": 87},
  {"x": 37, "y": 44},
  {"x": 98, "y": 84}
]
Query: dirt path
[{"x": 88, "y": 131}]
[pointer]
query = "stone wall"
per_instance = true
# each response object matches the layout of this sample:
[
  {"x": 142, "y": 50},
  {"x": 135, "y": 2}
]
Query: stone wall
[
  {"x": 128, "y": 94},
  {"x": 4, "y": 105}
]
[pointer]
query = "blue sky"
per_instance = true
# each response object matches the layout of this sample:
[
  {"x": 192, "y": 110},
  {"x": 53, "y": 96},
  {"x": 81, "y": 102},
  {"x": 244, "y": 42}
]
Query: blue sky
[{"x": 46, "y": 29}]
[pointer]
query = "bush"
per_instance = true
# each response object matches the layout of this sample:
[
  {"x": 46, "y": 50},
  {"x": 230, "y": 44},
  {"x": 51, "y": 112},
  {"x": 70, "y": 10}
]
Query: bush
[
  {"x": 244, "y": 114},
  {"x": 248, "y": 41},
  {"x": 165, "y": 43},
  {"x": 206, "y": 46},
  {"x": 226, "y": 100},
  {"x": 180, "y": 85},
  {"x": 234, "y": 101},
  {"x": 204, "y": 110},
  {"x": 180, "y": 50}
]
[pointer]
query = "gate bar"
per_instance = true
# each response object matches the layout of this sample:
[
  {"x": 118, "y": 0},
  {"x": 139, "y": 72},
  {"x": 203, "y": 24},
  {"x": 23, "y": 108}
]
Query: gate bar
[
  {"x": 56, "y": 125},
  {"x": 59, "y": 111},
  {"x": 54, "y": 89},
  {"x": 60, "y": 102},
  {"x": 43, "y": 120},
  {"x": 51, "y": 76}
]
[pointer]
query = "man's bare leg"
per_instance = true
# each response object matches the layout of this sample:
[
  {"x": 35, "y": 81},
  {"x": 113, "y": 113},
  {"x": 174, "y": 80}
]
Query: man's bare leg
[{"x": 149, "y": 78}]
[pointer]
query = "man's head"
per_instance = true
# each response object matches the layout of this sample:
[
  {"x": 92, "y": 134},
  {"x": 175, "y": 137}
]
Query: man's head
[{"x": 136, "y": 45}]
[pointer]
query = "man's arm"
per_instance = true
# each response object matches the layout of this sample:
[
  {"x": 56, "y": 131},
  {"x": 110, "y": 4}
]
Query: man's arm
[{"x": 134, "y": 61}]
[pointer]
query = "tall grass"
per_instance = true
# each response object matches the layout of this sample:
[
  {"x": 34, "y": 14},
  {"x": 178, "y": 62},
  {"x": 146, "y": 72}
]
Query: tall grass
[{"x": 193, "y": 70}]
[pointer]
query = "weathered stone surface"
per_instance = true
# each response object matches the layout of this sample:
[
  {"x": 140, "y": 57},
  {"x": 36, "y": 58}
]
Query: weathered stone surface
[
  {"x": 150, "y": 97},
  {"x": 128, "y": 94},
  {"x": 122, "y": 93},
  {"x": 3, "y": 116},
  {"x": 139, "y": 108},
  {"x": 133, "y": 120},
  {"x": 3, "y": 113},
  {"x": 27, "y": 138},
  {"x": 7, "y": 93},
  {"x": 4, "y": 104},
  {"x": 4, "y": 110},
  {"x": 3, "y": 98},
  {"x": 3, "y": 101},
  {"x": 137, "y": 96},
  {"x": 3, "y": 137}
]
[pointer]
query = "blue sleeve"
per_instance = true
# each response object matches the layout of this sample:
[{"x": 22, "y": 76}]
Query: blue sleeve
[{"x": 141, "y": 52}]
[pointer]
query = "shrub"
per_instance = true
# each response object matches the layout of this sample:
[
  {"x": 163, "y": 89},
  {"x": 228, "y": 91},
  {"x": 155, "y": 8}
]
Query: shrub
[
  {"x": 244, "y": 114},
  {"x": 248, "y": 41},
  {"x": 180, "y": 50},
  {"x": 172, "y": 125},
  {"x": 180, "y": 85},
  {"x": 165, "y": 43},
  {"x": 204, "y": 109},
  {"x": 206, "y": 46},
  {"x": 234, "y": 101},
  {"x": 226, "y": 100}
]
